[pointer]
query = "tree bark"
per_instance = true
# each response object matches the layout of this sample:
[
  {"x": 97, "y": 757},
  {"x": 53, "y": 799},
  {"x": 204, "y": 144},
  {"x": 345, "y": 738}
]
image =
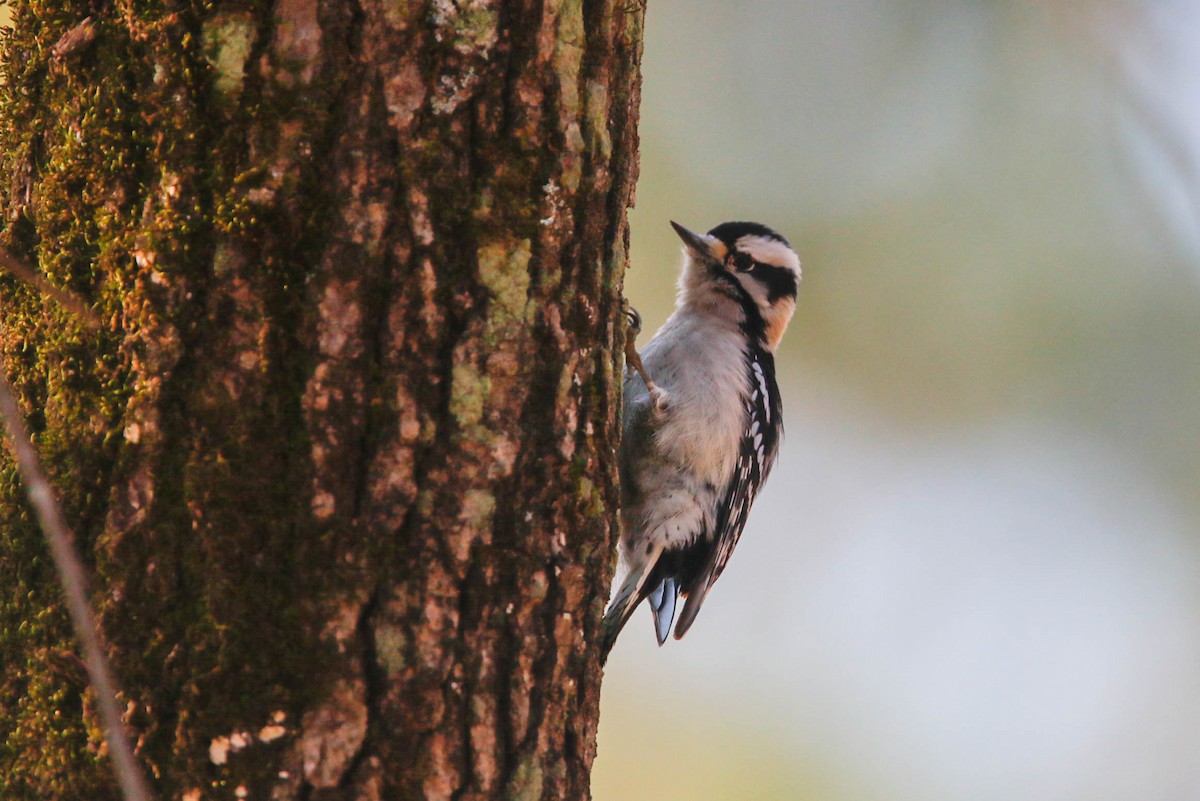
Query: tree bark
[{"x": 341, "y": 454}]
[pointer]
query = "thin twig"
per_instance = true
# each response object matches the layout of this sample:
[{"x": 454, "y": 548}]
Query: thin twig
[
  {"x": 75, "y": 585},
  {"x": 67, "y": 300}
]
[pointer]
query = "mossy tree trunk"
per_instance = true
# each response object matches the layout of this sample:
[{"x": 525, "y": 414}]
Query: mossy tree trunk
[{"x": 341, "y": 453}]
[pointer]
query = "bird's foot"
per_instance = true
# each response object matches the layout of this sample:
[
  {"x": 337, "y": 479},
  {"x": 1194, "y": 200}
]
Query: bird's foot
[
  {"x": 659, "y": 396},
  {"x": 633, "y": 321}
]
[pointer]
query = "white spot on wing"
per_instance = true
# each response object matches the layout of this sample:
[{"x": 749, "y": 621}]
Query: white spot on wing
[{"x": 762, "y": 388}]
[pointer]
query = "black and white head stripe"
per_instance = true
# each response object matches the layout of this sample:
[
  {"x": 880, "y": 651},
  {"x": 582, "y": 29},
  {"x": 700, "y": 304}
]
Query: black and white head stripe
[
  {"x": 762, "y": 253},
  {"x": 731, "y": 232}
]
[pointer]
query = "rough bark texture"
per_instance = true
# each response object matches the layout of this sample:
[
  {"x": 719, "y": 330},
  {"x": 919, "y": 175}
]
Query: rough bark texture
[{"x": 341, "y": 453}]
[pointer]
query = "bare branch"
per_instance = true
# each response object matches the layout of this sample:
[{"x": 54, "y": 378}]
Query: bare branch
[
  {"x": 75, "y": 586},
  {"x": 67, "y": 300}
]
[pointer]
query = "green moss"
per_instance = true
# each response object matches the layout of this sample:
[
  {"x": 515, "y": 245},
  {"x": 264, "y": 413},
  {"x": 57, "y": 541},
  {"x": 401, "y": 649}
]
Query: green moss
[
  {"x": 477, "y": 509},
  {"x": 134, "y": 157},
  {"x": 597, "y": 120},
  {"x": 477, "y": 25},
  {"x": 166, "y": 163},
  {"x": 391, "y": 646},
  {"x": 589, "y": 497},
  {"x": 227, "y": 41},
  {"x": 527, "y": 781},
  {"x": 571, "y": 42},
  {"x": 470, "y": 28},
  {"x": 468, "y": 391},
  {"x": 572, "y": 172},
  {"x": 504, "y": 270},
  {"x": 398, "y": 13},
  {"x": 615, "y": 274},
  {"x": 76, "y": 134}
]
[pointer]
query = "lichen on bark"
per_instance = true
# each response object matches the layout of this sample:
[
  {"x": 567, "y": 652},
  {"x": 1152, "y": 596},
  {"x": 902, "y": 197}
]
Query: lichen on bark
[{"x": 341, "y": 453}]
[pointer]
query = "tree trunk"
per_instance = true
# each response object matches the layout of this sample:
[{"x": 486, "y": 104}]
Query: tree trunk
[{"x": 341, "y": 454}]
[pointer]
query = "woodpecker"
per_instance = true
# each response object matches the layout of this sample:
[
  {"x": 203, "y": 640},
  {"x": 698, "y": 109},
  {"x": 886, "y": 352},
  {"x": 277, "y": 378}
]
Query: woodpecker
[{"x": 702, "y": 421}]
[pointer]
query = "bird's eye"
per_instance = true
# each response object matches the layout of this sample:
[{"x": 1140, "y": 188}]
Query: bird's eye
[{"x": 743, "y": 263}]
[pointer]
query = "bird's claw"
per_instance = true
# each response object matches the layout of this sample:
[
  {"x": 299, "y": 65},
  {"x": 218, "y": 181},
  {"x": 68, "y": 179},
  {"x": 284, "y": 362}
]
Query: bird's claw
[
  {"x": 633, "y": 320},
  {"x": 632, "y": 359}
]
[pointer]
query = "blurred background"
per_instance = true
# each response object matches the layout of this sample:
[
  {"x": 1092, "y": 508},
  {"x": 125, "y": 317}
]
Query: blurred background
[{"x": 975, "y": 572}]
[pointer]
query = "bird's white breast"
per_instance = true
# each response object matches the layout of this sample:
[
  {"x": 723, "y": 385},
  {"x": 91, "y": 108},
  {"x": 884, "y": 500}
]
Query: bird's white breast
[{"x": 700, "y": 361}]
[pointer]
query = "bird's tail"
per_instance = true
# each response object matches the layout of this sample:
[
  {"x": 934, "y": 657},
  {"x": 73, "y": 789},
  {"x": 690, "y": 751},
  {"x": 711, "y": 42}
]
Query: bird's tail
[
  {"x": 620, "y": 608},
  {"x": 641, "y": 582},
  {"x": 662, "y": 601}
]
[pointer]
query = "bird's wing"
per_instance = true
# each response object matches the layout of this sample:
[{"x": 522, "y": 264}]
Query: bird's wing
[
  {"x": 631, "y": 592},
  {"x": 638, "y": 424},
  {"x": 756, "y": 456}
]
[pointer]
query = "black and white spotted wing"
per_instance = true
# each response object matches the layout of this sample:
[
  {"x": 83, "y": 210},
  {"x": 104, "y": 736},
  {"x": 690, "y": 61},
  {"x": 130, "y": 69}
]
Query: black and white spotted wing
[{"x": 756, "y": 456}]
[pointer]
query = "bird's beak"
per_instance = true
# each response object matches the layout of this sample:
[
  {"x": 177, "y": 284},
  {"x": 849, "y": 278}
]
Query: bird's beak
[{"x": 700, "y": 245}]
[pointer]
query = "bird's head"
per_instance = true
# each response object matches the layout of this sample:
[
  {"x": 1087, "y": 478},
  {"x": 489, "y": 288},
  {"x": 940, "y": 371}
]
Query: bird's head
[{"x": 748, "y": 264}]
